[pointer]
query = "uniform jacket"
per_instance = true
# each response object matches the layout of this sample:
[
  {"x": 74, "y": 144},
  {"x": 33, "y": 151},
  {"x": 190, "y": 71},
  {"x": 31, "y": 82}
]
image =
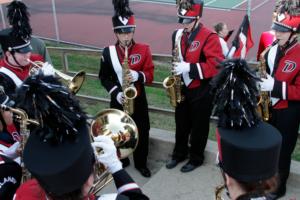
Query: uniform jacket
[
  {"x": 202, "y": 49},
  {"x": 127, "y": 189},
  {"x": 139, "y": 59},
  {"x": 266, "y": 39},
  {"x": 10, "y": 83},
  {"x": 284, "y": 66}
]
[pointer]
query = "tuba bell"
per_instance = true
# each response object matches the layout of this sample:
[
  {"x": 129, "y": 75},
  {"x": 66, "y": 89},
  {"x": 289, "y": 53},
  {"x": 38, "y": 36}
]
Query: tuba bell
[
  {"x": 73, "y": 83},
  {"x": 123, "y": 131}
]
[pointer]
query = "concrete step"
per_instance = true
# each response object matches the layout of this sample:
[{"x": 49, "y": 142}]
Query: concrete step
[{"x": 199, "y": 184}]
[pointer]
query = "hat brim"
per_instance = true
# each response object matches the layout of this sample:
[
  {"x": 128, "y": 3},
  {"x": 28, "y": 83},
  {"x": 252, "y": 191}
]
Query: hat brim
[
  {"x": 280, "y": 28},
  {"x": 25, "y": 49},
  {"x": 182, "y": 20},
  {"x": 125, "y": 30}
]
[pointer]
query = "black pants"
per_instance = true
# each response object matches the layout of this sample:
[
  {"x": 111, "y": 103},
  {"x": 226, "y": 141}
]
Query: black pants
[
  {"x": 287, "y": 122},
  {"x": 141, "y": 118},
  {"x": 192, "y": 118}
]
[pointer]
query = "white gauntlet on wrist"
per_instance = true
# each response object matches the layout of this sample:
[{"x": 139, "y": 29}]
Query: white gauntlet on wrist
[
  {"x": 109, "y": 156},
  {"x": 181, "y": 67},
  {"x": 48, "y": 69}
]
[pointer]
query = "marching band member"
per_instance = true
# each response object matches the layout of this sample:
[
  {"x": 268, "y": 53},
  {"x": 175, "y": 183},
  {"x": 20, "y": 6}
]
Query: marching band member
[
  {"x": 15, "y": 44},
  {"x": 141, "y": 72},
  {"x": 38, "y": 46},
  {"x": 224, "y": 34},
  {"x": 200, "y": 50},
  {"x": 283, "y": 83},
  {"x": 266, "y": 38},
  {"x": 10, "y": 171},
  {"x": 58, "y": 152},
  {"x": 248, "y": 148}
]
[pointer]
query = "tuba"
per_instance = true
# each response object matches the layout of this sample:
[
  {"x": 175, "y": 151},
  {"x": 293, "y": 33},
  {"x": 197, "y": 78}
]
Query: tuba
[
  {"x": 129, "y": 91},
  {"x": 123, "y": 131},
  {"x": 173, "y": 82},
  {"x": 22, "y": 118},
  {"x": 73, "y": 83},
  {"x": 264, "y": 101}
]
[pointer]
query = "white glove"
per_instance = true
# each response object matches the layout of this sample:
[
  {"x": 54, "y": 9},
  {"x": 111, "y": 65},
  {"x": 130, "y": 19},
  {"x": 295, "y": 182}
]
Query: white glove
[
  {"x": 181, "y": 67},
  {"x": 109, "y": 157},
  {"x": 120, "y": 98},
  {"x": 11, "y": 152},
  {"x": 134, "y": 75},
  {"x": 267, "y": 84},
  {"x": 48, "y": 69}
]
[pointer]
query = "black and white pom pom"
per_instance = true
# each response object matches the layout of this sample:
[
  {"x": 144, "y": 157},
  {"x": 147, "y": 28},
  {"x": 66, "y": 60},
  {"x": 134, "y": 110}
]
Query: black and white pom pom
[
  {"x": 122, "y": 8},
  {"x": 18, "y": 17},
  {"x": 236, "y": 94},
  {"x": 44, "y": 98}
]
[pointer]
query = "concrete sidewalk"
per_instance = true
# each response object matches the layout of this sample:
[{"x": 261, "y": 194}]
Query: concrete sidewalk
[{"x": 196, "y": 185}]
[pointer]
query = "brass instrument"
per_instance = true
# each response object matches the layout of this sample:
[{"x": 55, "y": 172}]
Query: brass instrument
[
  {"x": 264, "y": 101},
  {"x": 73, "y": 83},
  {"x": 218, "y": 192},
  {"x": 22, "y": 118},
  {"x": 173, "y": 82},
  {"x": 122, "y": 130},
  {"x": 129, "y": 91}
]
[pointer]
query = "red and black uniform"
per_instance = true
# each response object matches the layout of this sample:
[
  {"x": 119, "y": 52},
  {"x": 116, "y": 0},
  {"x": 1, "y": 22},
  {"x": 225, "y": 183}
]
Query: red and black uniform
[
  {"x": 12, "y": 77},
  {"x": 110, "y": 75},
  {"x": 201, "y": 48},
  {"x": 127, "y": 189},
  {"x": 266, "y": 39},
  {"x": 284, "y": 65}
]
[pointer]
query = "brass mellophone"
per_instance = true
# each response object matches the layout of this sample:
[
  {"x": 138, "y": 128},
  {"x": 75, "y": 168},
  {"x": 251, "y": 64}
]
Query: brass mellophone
[{"x": 73, "y": 83}]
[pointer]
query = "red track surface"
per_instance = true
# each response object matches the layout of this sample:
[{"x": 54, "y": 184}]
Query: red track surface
[{"x": 89, "y": 21}]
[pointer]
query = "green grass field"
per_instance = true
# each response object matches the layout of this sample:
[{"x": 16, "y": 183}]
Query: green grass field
[{"x": 156, "y": 96}]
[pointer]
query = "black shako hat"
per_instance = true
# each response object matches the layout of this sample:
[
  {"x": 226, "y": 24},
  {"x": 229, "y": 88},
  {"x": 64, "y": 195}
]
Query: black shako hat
[
  {"x": 12, "y": 43},
  {"x": 123, "y": 19},
  {"x": 58, "y": 153},
  {"x": 17, "y": 38},
  {"x": 248, "y": 147}
]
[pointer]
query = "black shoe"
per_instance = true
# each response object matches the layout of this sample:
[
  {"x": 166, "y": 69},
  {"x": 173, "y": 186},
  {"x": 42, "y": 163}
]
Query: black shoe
[
  {"x": 144, "y": 171},
  {"x": 172, "y": 163},
  {"x": 190, "y": 166},
  {"x": 125, "y": 162}
]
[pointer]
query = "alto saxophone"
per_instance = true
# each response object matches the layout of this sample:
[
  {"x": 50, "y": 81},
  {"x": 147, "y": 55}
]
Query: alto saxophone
[
  {"x": 22, "y": 118},
  {"x": 129, "y": 91},
  {"x": 173, "y": 82},
  {"x": 264, "y": 101}
]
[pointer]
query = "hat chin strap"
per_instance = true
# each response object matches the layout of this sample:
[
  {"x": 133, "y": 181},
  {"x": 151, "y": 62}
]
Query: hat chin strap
[
  {"x": 13, "y": 55},
  {"x": 290, "y": 41}
]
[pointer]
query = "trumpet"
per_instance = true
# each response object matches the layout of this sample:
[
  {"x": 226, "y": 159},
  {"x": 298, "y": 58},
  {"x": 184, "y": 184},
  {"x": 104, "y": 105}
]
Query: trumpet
[
  {"x": 73, "y": 83},
  {"x": 22, "y": 118},
  {"x": 123, "y": 131}
]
